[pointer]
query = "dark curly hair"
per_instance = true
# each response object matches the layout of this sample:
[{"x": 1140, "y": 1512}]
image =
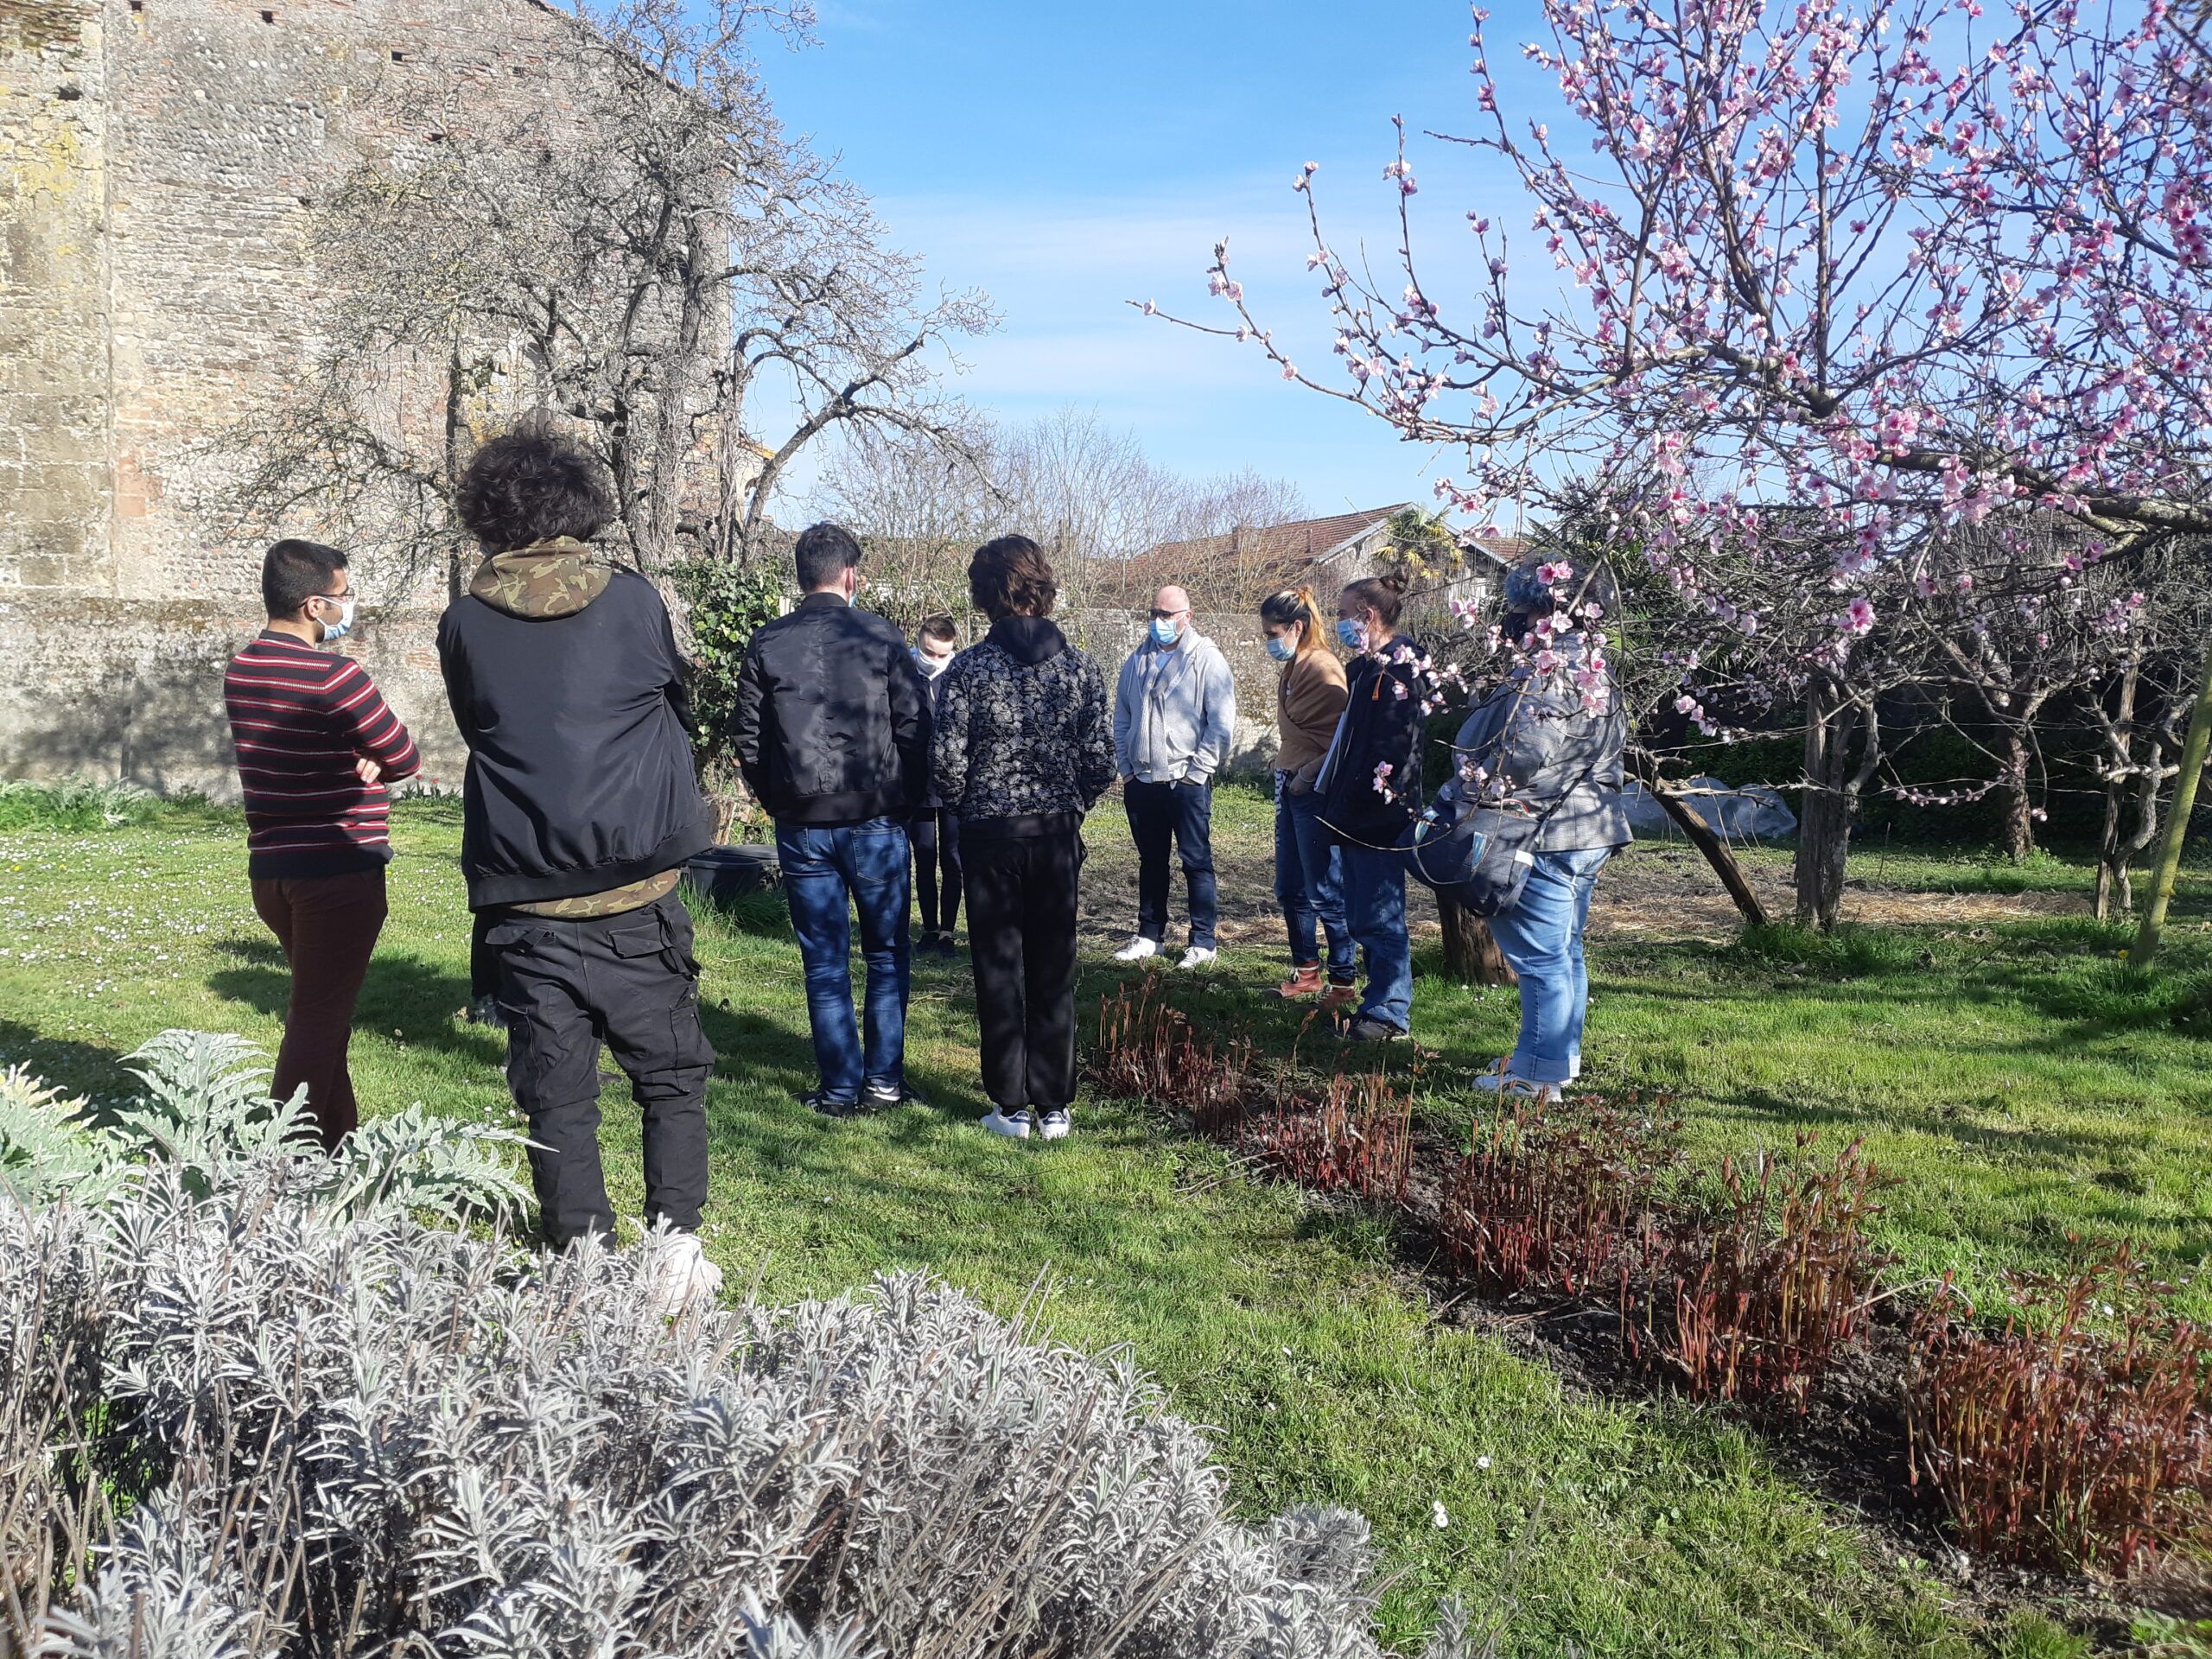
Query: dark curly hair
[
  {"x": 1011, "y": 577},
  {"x": 525, "y": 487}
]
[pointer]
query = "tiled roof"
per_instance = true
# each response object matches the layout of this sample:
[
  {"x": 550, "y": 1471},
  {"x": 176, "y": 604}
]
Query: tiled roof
[
  {"x": 1286, "y": 547},
  {"x": 1278, "y": 555}
]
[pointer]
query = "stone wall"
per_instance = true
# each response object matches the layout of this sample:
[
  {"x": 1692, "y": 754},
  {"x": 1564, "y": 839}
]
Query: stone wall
[
  {"x": 110, "y": 689},
  {"x": 157, "y": 161}
]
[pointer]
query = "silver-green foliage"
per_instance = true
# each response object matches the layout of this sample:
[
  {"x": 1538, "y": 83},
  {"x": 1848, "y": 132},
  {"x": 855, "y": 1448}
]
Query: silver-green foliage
[
  {"x": 205, "y": 1108},
  {"x": 248, "y": 1404}
]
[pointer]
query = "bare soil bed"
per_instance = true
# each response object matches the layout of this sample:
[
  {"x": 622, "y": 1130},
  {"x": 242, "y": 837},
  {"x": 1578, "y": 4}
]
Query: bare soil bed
[{"x": 1654, "y": 890}]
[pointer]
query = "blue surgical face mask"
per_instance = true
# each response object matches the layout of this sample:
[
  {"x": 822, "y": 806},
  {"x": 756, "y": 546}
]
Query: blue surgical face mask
[
  {"x": 1166, "y": 630},
  {"x": 1281, "y": 649},
  {"x": 344, "y": 625},
  {"x": 1352, "y": 632}
]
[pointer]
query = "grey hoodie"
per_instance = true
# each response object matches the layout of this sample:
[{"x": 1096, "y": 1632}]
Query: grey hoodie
[{"x": 1174, "y": 711}]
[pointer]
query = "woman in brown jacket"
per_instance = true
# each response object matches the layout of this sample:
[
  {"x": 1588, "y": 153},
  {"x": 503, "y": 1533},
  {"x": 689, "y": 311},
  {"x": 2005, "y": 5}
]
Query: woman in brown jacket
[{"x": 1308, "y": 702}]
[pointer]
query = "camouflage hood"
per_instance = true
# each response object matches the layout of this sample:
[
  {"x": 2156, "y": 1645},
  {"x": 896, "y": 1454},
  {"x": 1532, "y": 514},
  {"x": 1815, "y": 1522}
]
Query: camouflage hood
[{"x": 546, "y": 578}]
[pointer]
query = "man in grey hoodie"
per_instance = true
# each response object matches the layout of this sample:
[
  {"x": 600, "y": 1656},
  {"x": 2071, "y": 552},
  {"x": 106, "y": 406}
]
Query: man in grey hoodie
[{"x": 1174, "y": 712}]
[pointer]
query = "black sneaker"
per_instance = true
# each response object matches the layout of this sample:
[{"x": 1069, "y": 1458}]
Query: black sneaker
[
  {"x": 1367, "y": 1029},
  {"x": 882, "y": 1096},
  {"x": 822, "y": 1101}
]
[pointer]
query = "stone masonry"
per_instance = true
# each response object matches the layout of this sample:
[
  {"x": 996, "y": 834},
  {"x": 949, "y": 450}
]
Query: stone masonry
[{"x": 157, "y": 162}]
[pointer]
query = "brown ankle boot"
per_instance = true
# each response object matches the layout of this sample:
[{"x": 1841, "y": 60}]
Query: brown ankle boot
[
  {"x": 1304, "y": 981},
  {"x": 1340, "y": 995}
]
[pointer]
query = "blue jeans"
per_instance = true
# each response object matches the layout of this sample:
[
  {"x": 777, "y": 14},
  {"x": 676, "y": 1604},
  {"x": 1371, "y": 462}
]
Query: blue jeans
[
  {"x": 1374, "y": 910},
  {"x": 1542, "y": 937},
  {"x": 1307, "y": 865},
  {"x": 1180, "y": 814},
  {"x": 826, "y": 869}
]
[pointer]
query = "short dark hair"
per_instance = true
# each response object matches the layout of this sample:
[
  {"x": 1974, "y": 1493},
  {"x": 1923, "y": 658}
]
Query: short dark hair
[
  {"x": 823, "y": 553},
  {"x": 1011, "y": 577},
  {"x": 939, "y": 626},
  {"x": 526, "y": 487},
  {"x": 294, "y": 572}
]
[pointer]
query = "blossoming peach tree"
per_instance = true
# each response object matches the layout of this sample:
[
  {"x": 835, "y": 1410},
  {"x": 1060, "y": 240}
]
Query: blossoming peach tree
[{"x": 1849, "y": 279}]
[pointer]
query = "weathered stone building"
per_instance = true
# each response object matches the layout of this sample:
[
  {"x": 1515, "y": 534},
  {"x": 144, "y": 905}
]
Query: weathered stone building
[{"x": 158, "y": 161}]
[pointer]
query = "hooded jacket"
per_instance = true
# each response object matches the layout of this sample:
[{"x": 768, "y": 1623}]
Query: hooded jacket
[
  {"x": 1553, "y": 754},
  {"x": 1174, "y": 711},
  {"x": 833, "y": 721},
  {"x": 1022, "y": 737},
  {"x": 563, "y": 676},
  {"x": 1369, "y": 782}
]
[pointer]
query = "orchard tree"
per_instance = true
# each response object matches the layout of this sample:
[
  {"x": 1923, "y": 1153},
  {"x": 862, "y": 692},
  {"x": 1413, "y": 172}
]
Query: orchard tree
[{"x": 1900, "y": 268}]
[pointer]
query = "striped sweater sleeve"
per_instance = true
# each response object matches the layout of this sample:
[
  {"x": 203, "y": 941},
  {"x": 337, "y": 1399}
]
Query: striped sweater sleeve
[{"x": 357, "y": 708}]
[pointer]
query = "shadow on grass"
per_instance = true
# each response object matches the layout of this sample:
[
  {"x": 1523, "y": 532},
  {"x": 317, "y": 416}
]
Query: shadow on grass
[
  {"x": 78, "y": 1068},
  {"x": 402, "y": 995}
]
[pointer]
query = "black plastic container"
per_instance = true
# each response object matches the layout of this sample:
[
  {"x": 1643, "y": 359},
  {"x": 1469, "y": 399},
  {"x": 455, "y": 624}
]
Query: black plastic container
[{"x": 722, "y": 873}]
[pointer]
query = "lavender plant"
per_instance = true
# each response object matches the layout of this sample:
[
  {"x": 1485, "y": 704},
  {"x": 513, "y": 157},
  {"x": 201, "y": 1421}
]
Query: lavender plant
[{"x": 248, "y": 1407}]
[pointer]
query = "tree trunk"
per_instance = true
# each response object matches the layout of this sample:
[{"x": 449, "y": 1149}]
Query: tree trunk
[
  {"x": 1717, "y": 854},
  {"x": 2019, "y": 813},
  {"x": 2177, "y": 816},
  {"x": 456, "y": 428},
  {"x": 2112, "y": 861},
  {"x": 1470, "y": 952},
  {"x": 1700, "y": 835},
  {"x": 1824, "y": 816}
]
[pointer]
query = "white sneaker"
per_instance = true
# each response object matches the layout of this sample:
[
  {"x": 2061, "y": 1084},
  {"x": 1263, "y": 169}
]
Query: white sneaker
[
  {"x": 1137, "y": 950},
  {"x": 1054, "y": 1125},
  {"x": 1015, "y": 1125},
  {"x": 1198, "y": 956},
  {"x": 681, "y": 1274},
  {"x": 1498, "y": 1081}
]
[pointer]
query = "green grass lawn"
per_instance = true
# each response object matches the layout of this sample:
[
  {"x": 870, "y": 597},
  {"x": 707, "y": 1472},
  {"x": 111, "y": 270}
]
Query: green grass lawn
[{"x": 2016, "y": 1078}]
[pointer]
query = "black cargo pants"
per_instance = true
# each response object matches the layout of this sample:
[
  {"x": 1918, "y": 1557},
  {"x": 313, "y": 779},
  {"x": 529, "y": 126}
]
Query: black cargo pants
[{"x": 630, "y": 981}]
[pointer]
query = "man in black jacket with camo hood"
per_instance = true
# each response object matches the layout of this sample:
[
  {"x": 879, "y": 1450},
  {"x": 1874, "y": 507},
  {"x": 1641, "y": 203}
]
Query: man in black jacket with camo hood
[{"x": 582, "y": 806}]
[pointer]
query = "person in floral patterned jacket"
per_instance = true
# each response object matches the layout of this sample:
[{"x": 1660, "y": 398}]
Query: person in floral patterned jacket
[{"x": 1024, "y": 746}]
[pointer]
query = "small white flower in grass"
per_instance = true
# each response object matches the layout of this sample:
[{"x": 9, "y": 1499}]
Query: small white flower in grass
[
  {"x": 1481, "y": 1463},
  {"x": 1438, "y": 1517}
]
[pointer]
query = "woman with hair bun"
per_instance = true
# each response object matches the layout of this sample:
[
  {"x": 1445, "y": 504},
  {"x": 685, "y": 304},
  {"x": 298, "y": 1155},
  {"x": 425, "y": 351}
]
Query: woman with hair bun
[
  {"x": 1309, "y": 702},
  {"x": 1369, "y": 785}
]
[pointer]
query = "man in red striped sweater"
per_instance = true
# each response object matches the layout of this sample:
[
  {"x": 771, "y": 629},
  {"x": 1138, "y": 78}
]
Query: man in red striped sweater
[{"x": 315, "y": 745}]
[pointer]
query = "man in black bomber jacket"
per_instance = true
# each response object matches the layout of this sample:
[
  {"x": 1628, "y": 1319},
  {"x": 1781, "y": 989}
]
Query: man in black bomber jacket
[
  {"x": 832, "y": 732},
  {"x": 582, "y": 806}
]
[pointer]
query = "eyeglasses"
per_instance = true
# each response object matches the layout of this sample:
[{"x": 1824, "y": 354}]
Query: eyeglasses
[{"x": 1169, "y": 616}]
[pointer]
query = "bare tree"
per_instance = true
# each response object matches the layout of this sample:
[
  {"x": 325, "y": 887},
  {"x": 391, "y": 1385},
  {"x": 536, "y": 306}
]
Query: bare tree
[
  {"x": 1086, "y": 491},
  {"x": 643, "y": 253}
]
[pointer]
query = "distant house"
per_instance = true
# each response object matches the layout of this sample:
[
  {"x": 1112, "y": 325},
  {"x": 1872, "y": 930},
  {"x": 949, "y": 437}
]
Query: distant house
[
  {"x": 1228, "y": 575},
  {"x": 1235, "y": 569}
]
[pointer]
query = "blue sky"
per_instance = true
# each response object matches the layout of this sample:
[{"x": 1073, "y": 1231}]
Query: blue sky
[{"x": 1067, "y": 158}]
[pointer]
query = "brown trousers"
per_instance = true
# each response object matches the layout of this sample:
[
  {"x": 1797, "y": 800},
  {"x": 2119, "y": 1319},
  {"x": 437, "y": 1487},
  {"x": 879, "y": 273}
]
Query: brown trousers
[{"x": 328, "y": 926}]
